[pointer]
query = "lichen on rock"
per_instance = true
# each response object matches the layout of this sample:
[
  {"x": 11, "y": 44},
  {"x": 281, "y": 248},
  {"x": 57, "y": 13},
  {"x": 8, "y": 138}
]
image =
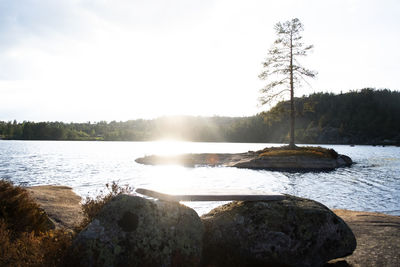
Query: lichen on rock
[
  {"x": 134, "y": 231},
  {"x": 289, "y": 232}
]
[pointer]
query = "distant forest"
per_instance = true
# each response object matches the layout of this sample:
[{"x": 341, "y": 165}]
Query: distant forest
[{"x": 367, "y": 116}]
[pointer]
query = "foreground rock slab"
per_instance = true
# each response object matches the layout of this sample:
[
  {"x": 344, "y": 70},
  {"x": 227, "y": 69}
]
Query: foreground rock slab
[
  {"x": 60, "y": 203},
  {"x": 134, "y": 231},
  {"x": 289, "y": 232},
  {"x": 378, "y": 239}
]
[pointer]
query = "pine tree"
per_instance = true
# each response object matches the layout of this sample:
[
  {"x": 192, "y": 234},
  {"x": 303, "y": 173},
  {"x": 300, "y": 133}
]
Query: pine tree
[{"x": 282, "y": 69}]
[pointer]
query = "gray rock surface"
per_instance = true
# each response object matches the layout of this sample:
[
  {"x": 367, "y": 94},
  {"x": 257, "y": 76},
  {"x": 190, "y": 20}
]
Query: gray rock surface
[
  {"x": 60, "y": 203},
  {"x": 289, "y": 232},
  {"x": 378, "y": 239},
  {"x": 134, "y": 231},
  {"x": 294, "y": 163}
]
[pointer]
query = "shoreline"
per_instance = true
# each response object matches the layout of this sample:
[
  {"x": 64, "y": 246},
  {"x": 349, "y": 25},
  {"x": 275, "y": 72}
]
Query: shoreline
[{"x": 195, "y": 141}]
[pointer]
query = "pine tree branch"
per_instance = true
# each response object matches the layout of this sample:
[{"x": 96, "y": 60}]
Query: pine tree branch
[{"x": 270, "y": 97}]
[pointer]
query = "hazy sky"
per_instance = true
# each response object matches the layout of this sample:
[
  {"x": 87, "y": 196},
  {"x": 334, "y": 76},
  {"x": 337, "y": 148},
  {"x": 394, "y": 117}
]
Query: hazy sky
[{"x": 81, "y": 60}]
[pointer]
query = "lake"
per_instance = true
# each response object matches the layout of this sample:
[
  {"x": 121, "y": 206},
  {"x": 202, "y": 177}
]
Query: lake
[{"x": 371, "y": 184}]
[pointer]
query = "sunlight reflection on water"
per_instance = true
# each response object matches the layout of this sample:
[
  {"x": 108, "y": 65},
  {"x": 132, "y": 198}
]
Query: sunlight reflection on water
[{"x": 371, "y": 184}]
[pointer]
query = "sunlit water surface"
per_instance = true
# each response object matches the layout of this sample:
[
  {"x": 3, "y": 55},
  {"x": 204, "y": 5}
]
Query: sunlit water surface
[{"x": 371, "y": 184}]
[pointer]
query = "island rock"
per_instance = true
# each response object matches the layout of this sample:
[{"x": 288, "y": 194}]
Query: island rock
[
  {"x": 300, "y": 159},
  {"x": 290, "y": 232},
  {"x": 134, "y": 231}
]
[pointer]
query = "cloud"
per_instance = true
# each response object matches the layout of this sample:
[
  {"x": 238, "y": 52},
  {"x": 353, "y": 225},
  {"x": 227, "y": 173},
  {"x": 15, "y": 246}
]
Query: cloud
[
  {"x": 124, "y": 59},
  {"x": 21, "y": 19},
  {"x": 32, "y": 32}
]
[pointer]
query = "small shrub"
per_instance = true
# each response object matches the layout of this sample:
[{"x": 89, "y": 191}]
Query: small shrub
[
  {"x": 24, "y": 239},
  {"x": 29, "y": 249},
  {"x": 54, "y": 245},
  {"x": 92, "y": 206},
  {"x": 19, "y": 211}
]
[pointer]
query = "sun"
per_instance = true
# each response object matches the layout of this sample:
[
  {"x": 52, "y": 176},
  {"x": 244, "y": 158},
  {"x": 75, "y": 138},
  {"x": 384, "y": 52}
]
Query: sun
[{"x": 167, "y": 146}]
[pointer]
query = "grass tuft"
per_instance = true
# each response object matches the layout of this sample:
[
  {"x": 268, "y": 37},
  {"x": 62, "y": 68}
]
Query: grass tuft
[
  {"x": 309, "y": 151},
  {"x": 92, "y": 206}
]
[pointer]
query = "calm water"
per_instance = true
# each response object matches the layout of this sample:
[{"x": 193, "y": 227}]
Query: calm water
[{"x": 371, "y": 184}]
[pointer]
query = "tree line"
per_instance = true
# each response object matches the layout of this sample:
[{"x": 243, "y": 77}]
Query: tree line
[{"x": 366, "y": 116}]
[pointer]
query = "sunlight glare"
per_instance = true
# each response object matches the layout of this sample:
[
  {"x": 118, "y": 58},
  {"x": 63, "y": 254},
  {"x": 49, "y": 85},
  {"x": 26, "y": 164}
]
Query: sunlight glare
[
  {"x": 168, "y": 147},
  {"x": 170, "y": 179}
]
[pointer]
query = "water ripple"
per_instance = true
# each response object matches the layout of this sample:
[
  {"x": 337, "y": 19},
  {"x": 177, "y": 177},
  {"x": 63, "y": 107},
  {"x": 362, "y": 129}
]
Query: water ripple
[{"x": 371, "y": 184}]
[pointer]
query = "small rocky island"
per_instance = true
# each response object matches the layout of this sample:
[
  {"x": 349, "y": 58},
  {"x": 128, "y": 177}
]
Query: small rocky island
[{"x": 272, "y": 158}]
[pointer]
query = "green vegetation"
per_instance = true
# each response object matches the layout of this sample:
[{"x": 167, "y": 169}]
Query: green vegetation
[
  {"x": 358, "y": 117},
  {"x": 318, "y": 152},
  {"x": 367, "y": 116}
]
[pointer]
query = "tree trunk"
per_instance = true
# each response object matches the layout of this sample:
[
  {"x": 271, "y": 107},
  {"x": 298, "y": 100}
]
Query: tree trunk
[{"x": 291, "y": 135}]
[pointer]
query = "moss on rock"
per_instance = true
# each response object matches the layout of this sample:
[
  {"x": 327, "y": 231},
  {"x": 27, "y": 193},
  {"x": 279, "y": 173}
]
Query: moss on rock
[
  {"x": 133, "y": 231},
  {"x": 289, "y": 232}
]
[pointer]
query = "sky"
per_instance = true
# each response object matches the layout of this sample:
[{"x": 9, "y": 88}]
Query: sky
[{"x": 93, "y": 60}]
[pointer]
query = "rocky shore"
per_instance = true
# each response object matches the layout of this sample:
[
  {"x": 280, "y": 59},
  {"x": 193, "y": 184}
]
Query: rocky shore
[
  {"x": 378, "y": 238},
  {"x": 319, "y": 233},
  {"x": 61, "y": 204}
]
